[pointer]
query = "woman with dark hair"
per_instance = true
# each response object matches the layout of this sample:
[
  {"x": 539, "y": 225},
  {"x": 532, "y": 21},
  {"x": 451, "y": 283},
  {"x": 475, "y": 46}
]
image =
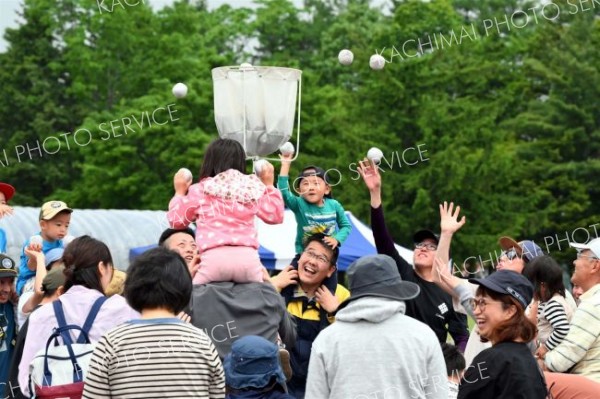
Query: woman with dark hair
[
  {"x": 158, "y": 355},
  {"x": 507, "y": 369},
  {"x": 550, "y": 310},
  {"x": 224, "y": 204},
  {"x": 88, "y": 271}
]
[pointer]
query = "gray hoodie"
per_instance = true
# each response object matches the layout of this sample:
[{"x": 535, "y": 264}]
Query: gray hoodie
[{"x": 375, "y": 351}]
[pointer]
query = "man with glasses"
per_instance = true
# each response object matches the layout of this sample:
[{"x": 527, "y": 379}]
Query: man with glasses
[
  {"x": 579, "y": 353},
  {"x": 310, "y": 301},
  {"x": 7, "y": 315},
  {"x": 433, "y": 306}
]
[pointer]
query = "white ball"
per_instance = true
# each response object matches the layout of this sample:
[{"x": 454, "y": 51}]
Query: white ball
[
  {"x": 345, "y": 57},
  {"x": 377, "y": 62},
  {"x": 37, "y": 239},
  {"x": 375, "y": 154},
  {"x": 187, "y": 173},
  {"x": 287, "y": 148},
  {"x": 180, "y": 90},
  {"x": 258, "y": 165}
]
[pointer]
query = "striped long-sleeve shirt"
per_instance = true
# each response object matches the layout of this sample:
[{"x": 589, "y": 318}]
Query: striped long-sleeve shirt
[
  {"x": 155, "y": 358},
  {"x": 579, "y": 352},
  {"x": 553, "y": 321}
]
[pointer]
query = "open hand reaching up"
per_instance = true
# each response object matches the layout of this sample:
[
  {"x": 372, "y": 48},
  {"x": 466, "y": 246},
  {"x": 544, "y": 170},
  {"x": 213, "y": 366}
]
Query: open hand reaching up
[
  {"x": 370, "y": 174},
  {"x": 449, "y": 222}
]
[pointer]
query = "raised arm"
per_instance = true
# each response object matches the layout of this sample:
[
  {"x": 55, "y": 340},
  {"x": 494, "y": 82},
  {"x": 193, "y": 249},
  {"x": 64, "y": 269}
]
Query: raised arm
[
  {"x": 40, "y": 274},
  {"x": 449, "y": 224},
  {"x": 344, "y": 225},
  {"x": 270, "y": 205},
  {"x": 383, "y": 239},
  {"x": 459, "y": 289},
  {"x": 283, "y": 184},
  {"x": 183, "y": 206}
]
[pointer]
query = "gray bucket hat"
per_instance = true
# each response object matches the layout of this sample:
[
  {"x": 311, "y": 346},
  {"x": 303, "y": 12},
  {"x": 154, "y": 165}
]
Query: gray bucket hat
[{"x": 378, "y": 276}]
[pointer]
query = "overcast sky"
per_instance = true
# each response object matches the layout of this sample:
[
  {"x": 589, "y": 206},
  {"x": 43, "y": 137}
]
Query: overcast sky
[{"x": 8, "y": 11}]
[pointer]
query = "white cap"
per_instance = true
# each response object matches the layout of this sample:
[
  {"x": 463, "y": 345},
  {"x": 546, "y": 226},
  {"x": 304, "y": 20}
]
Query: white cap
[{"x": 593, "y": 246}]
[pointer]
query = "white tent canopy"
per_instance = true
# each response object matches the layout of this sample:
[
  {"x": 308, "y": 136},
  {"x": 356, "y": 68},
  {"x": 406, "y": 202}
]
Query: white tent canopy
[
  {"x": 124, "y": 230},
  {"x": 121, "y": 230}
]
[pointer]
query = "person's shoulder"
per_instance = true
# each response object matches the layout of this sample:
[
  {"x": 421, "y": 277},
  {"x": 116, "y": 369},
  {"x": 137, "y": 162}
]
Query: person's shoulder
[
  {"x": 342, "y": 292},
  {"x": 115, "y": 300},
  {"x": 118, "y": 304},
  {"x": 590, "y": 303},
  {"x": 193, "y": 334},
  {"x": 503, "y": 351},
  {"x": 42, "y": 314},
  {"x": 417, "y": 328},
  {"x": 333, "y": 204}
]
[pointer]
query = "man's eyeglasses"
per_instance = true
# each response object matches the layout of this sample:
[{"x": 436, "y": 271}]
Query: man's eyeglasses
[
  {"x": 427, "y": 246},
  {"x": 510, "y": 254},
  {"x": 319, "y": 258},
  {"x": 580, "y": 255},
  {"x": 479, "y": 303}
]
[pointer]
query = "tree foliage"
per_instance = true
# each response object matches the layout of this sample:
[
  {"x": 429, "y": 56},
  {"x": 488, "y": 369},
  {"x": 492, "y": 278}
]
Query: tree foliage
[{"x": 507, "y": 113}]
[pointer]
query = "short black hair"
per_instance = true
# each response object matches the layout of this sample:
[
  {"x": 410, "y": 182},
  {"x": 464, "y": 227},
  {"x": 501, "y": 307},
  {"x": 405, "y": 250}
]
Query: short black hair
[
  {"x": 455, "y": 361},
  {"x": 169, "y": 232},
  {"x": 544, "y": 269},
  {"x": 158, "y": 278},
  {"x": 319, "y": 237}
]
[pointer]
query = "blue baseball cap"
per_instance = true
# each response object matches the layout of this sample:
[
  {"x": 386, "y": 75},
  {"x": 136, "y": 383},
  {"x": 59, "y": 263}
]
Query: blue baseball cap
[
  {"x": 510, "y": 283},
  {"x": 53, "y": 255}
]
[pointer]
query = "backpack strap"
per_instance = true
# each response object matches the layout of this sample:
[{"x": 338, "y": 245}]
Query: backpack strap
[
  {"x": 89, "y": 321},
  {"x": 60, "y": 318}
]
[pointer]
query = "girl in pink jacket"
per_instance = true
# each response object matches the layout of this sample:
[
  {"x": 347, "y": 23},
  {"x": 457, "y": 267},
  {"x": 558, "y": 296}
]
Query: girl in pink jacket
[{"x": 223, "y": 204}]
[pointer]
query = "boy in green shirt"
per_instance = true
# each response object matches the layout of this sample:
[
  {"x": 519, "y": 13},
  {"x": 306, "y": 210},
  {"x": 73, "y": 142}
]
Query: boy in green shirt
[{"x": 314, "y": 209}]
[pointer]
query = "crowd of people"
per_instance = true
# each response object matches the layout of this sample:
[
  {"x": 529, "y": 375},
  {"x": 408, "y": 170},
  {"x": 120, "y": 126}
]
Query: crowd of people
[{"x": 200, "y": 317}]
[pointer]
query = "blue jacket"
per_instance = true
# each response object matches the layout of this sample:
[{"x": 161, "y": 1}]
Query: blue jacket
[
  {"x": 24, "y": 272},
  {"x": 2, "y": 241}
]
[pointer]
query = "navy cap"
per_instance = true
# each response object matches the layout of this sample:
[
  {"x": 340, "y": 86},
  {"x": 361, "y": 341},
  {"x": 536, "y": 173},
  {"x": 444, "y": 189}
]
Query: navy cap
[
  {"x": 7, "y": 267},
  {"x": 314, "y": 171},
  {"x": 425, "y": 234},
  {"x": 509, "y": 283}
]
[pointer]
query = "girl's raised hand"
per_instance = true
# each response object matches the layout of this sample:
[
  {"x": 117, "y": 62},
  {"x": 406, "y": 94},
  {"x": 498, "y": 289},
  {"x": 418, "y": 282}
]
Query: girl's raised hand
[{"x": 181, "y": 183}]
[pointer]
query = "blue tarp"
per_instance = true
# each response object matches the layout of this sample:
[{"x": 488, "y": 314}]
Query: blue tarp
[{"x": 277, "y": 243}]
